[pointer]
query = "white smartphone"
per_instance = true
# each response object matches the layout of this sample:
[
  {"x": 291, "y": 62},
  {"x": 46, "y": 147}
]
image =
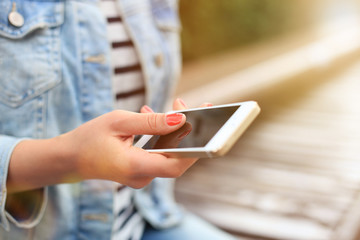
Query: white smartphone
[{"x": 208, "y": 132}]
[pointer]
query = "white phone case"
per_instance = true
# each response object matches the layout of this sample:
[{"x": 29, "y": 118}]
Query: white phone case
[{"x": 220, "y": 143}]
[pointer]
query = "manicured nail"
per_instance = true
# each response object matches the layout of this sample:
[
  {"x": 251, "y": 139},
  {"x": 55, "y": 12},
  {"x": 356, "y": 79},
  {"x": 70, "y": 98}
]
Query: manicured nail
[
  {"x": 174, "y": 119},
  {"x": 148, "y": 109},
  {"x": 182, "y": 102}
]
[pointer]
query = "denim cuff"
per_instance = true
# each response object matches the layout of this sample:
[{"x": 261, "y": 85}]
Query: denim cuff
[
  {"x": 35, "y": 208},
  {"x": 7, "y": 145}
]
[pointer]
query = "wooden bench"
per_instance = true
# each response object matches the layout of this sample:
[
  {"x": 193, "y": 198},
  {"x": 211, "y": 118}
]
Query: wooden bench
[{"x": 295, "y": 174}]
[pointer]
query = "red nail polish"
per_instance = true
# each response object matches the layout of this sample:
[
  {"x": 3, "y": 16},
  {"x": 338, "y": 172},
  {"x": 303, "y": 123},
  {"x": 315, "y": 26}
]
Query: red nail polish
[{"x": 174, "y": 119}]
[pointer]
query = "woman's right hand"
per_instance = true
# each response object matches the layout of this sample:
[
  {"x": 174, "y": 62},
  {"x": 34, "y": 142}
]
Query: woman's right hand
[{"x": 99, "y": 149}]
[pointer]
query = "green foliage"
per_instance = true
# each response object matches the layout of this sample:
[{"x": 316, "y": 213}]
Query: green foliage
[{"x": 210, "y": 26}]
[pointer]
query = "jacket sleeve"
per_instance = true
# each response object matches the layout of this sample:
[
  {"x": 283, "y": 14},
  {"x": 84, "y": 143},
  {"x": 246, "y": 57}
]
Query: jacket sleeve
[{"x": 23, "y": 209}]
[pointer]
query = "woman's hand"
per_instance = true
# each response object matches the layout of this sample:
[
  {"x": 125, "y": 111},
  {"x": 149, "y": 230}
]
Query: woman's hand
[
  {"x": 99, "y": 149},
  {"x": 103, "y": 148}
]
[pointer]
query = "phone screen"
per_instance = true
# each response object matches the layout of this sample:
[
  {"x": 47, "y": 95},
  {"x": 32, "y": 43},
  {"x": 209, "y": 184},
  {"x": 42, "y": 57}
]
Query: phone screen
[{"x": 200, "y": 127}]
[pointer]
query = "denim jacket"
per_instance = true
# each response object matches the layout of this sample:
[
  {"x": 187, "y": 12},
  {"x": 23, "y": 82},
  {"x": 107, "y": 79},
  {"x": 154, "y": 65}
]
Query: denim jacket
[{"x": 50, "y": 84}]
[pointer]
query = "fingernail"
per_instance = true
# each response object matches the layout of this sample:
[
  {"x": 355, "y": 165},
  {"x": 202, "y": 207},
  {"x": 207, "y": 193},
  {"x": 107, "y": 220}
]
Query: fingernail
[
  {"x": 174, "y": 119},
  {"x": 148, "y": 109},
  {"x": 182, "y": 102},
  {"x": 184, "y": 134}
]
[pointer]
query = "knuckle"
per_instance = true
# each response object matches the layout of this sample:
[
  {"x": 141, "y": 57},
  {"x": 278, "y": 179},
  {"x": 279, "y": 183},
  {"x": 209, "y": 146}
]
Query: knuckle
[
  {"x": 116, "y": 114},
  {"x": 131, "y": 171},
  {"x": 133, "y": 168},
  {"x": 152, "y": 121}
]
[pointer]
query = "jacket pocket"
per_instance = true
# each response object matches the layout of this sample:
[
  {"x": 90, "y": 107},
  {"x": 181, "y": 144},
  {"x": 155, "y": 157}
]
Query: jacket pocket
[
  {"x": 29, "y": 54},
  {"x": 166, "y": 15}
]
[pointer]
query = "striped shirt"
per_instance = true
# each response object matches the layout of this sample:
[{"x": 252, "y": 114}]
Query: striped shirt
[
  {"x": 128, "y": 82},
  {"x": 129, "y": 94}
]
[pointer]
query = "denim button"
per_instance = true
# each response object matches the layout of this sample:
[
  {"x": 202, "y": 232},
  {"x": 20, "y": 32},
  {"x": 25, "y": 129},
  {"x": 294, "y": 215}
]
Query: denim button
[
  {"x": 15, "y": 18},
  {"x": 159, "y": 60}
]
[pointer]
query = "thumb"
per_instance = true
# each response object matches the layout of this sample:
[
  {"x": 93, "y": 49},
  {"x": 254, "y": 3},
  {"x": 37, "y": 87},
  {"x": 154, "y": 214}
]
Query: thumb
[{"x": 149, "y": 123}]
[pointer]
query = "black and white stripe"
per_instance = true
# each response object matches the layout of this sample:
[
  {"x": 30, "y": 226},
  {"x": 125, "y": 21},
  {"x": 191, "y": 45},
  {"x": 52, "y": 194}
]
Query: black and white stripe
[
  {"x": 128, "y": 82},
  {"x": 129, "y": 94},
  {"x": 128, "y": 223}
]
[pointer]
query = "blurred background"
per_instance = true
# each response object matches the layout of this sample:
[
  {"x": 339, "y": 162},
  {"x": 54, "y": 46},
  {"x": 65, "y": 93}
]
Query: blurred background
[
  {"x": 211, "y": 27},
  {"x": 295, "y": 174}
]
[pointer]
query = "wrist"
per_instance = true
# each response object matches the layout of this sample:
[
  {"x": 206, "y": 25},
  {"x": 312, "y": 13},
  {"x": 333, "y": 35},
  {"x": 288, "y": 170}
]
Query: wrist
[
  {"x": 38, "y": 163},
  {"x": 65, "y": 158}
]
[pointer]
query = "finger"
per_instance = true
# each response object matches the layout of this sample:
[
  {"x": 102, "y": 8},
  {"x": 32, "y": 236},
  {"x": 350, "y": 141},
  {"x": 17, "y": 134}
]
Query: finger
[
  {"x": 157, "y": 165},
  {"x": 206, "y": 104},
  {"x": 172, "y": 140},
  {"x": 147, "y": 123},
  {"x": 138, "y": 182},
  {"x": 176, "y": 167},
  {"x": 146, "y": 109},
  {"x": 179, "y": 104}
]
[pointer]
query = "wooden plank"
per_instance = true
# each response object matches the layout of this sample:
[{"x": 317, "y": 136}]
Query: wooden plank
[{"x": 294, "y": 175}]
